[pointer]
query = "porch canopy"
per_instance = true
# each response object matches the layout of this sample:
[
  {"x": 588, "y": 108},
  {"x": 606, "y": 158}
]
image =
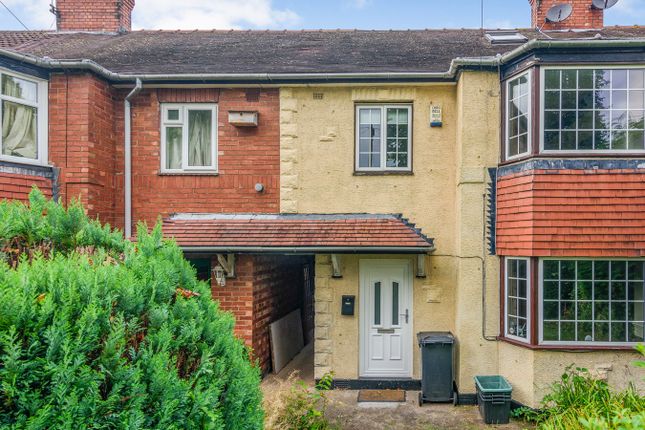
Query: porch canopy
[{"x": 296, "y": 233}]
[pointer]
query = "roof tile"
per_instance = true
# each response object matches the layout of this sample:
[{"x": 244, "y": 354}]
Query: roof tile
[{"x": 293, "y": 231}]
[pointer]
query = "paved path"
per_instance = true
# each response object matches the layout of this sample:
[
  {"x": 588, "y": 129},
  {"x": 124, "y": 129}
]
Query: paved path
[{"x": 350, "y": 415}]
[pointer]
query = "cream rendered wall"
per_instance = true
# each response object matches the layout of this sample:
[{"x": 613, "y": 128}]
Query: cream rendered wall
[
  {"x": 443, "y": 196},
  {"x": 531, "y": 372},
  {"x": 476, "y": 149}
]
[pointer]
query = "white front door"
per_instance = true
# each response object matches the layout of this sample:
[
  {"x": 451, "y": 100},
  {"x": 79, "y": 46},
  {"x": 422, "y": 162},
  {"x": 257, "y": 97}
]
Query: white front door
[{"x": 386, "y": 318}]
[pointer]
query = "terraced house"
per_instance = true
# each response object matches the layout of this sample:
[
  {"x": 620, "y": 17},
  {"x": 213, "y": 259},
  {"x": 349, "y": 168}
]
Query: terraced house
[{"x": 487, "y": 183}]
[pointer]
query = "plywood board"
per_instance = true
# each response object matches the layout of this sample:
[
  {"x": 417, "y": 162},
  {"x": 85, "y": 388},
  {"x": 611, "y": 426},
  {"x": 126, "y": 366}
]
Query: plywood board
[{"x": 286, "y": 339}]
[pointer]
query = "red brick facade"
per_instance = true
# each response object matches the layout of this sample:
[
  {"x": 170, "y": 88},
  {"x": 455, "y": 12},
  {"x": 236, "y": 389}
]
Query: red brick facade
[
  {"x": 572, "y": 213},
  {"x": 94, "y": 15},
  {"x": 246, "y": 156},
  {"x": 86, "y": 137},
  {"x": 265, "y": 289},
  {"x": 17, "y": 186},
  {"x": 82, "y": 142},
  {"x": 583, "y": 15}
]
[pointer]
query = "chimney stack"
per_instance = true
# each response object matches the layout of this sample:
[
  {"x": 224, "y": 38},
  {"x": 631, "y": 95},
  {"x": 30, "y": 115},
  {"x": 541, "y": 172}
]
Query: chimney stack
[
  {"x": 583, "y": 17},
  {"x": 111, "y": 16}
]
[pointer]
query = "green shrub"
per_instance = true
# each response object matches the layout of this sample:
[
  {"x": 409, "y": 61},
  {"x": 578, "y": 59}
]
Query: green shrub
[
  {"x": 579, "y": 401},
  {"x": 97, "y": 332},
  {"x": 301, "y": 407}
]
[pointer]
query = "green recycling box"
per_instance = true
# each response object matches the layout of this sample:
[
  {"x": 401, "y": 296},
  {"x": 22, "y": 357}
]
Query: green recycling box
[{"x": 494, "y": 398}]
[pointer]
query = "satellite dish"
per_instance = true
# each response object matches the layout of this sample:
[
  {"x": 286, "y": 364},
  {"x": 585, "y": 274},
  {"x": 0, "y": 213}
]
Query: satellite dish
[
  {"x": 604, "y": 4},
  {"x": 559, "y": 12}
]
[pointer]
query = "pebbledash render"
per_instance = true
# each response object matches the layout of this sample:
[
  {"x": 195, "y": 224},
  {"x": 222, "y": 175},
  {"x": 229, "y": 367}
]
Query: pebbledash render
[{"x": 490, "y": 183}]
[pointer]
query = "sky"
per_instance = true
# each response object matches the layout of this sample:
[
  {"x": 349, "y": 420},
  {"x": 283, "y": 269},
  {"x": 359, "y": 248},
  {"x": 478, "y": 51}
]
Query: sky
[{"x": 315, "y": 14}]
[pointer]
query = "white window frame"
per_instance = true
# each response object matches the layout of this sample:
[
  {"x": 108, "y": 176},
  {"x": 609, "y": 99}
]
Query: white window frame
[
  {"x": 529, "y": 315},
  {"x": 183, "y": 123},
  {"x": 42, "y": 122},
  {"x": 383, "y": 108},
  {"x": 542, "y": 93},
  {"x": 540, "y": 306},
  {"x": 507, "y": 119}
]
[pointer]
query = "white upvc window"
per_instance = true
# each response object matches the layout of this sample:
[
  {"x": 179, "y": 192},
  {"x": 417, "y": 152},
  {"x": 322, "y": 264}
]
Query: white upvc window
[
  {"x": 23, "y": 118},
  {"x": 384, "y": 137},
  {"x": 593, "y": 109},
  {"x": 189, "y": 138},
  {"x": 518, "y": 116},
  {"x": 592, "y": 302},
  {"x": 517, "y": 321}
]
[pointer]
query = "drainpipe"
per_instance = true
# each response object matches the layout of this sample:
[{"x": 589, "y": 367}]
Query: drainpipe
[{"x": 128, "y": 158}]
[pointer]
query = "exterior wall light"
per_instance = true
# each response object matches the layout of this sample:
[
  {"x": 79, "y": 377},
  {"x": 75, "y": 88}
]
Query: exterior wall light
[{"x": 220, "y": 276}]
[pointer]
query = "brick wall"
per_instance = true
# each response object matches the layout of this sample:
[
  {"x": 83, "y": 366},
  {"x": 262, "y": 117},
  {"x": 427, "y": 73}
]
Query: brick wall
[
  {"x": 17, "y": 186},
  {"x": 82, "y": 141},
  {"x": 278, "y": 290},
  {"x": 237, "y": 296},
  {"x": 265, "y": 289},
  {"x": 574, "y": 213},
  {"x": 246, "y": 156},
  {"x": 583, "y": 15},
  {"x": 94, "y": 15}
]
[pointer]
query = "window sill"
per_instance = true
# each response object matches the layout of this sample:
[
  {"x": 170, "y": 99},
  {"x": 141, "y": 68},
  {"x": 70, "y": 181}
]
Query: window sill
[
  {"x": 565, "y": 348},
  {"x": 26, "y": 168},
  {"x": 384, "y": 173},
  {"x": 188, "y": 173}
]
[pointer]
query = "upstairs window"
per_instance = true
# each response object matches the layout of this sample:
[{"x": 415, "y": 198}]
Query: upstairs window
[
  {"x": 518, "y": 116},
  {"x": 383, "y": 137},
  {"x": 189, "y": 138},
  {"x": 593, "y": 110},
  {"x": 23, "y": 113}
]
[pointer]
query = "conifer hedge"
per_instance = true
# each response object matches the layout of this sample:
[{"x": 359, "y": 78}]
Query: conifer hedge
[{"x": 97, "y": 332}]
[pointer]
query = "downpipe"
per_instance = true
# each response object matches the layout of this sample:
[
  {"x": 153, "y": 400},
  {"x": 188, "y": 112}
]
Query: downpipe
[{"x": 128, "y": 158}]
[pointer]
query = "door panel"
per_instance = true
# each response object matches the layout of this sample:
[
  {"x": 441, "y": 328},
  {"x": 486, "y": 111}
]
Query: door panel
[{"x": 386, "y": 306}]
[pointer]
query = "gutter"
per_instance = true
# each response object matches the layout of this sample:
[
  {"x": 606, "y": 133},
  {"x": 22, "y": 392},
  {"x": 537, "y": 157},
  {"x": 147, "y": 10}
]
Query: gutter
[
  {"x": 128, "y": 158},
  {"x": 309, "y": 249},
  {"x": 451, "y": 73}
]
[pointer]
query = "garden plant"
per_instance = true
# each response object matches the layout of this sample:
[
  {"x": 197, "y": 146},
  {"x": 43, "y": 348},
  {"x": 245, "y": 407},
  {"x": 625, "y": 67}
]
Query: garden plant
[
  {"x": 580, "y": 401},
  {"x": 98, "y": 332}
]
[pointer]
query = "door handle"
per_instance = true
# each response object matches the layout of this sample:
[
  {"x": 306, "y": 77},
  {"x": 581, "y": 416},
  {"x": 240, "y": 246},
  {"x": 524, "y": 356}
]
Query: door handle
[{"x": 407, "y": 316}]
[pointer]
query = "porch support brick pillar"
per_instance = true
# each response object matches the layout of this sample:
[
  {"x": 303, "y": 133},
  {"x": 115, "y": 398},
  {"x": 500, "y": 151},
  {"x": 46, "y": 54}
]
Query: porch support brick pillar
[{"x": 323, "y": 319}]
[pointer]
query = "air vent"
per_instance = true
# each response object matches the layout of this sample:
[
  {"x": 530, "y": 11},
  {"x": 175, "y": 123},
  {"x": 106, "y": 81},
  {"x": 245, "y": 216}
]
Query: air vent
[
  {"x": 319, "y": 96},
  {"x": 505, "y": 37}
]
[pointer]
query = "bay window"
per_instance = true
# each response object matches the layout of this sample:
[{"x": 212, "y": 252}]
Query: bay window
[
  {"x": 592, "y": 301},
  {"x": 518, "y": 116},
  {"x": 189, "y": 138},
  {"x": 517, "y": 298},
  {"x": 23, "y": 117},
  {"x": 593, "y": 109},
  {"x": 383, "y": 135}
]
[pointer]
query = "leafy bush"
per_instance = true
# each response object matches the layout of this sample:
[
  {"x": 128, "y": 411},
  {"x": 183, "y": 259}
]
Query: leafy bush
[
  {"x": 300, "y": 407},
  {"x": 579, "y": 401},
  {"x": 98, "y": 332}
]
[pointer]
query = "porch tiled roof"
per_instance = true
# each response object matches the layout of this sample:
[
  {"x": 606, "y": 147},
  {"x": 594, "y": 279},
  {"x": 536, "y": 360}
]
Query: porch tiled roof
[{"x": 296, "y": 232}]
